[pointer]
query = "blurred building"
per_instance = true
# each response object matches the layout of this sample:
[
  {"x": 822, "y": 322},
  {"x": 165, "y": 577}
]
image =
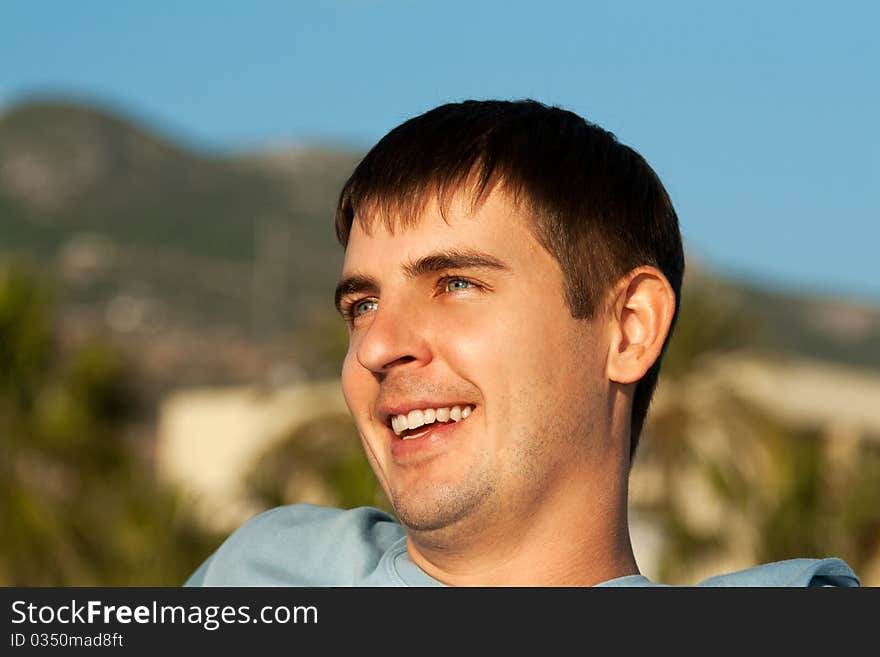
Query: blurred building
[{"x": 210, "y": 439}]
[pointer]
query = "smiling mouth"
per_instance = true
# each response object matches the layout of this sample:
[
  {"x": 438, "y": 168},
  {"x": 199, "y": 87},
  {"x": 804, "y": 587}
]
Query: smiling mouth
[{"x": 417, "y": 423}]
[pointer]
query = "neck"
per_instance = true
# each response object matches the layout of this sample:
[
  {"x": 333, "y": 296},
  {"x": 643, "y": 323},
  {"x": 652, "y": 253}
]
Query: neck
[{"x": 575, "y": 535}]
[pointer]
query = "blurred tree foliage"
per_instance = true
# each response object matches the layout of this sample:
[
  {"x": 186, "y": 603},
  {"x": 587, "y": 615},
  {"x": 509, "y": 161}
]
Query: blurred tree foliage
[
  {"x": 79, "y": 506},
  {"x": 712, "y": 319},
  {"x": 738, "y": 486},
  {"x": 323, "y": 463},
  {"x": 320, "y": 346}
]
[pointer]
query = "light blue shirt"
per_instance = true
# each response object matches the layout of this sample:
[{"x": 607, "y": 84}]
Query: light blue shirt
[{"x": 307, "y": 545}]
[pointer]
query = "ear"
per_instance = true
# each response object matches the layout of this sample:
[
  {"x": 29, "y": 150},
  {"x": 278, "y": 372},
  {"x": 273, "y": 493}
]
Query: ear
[{"x": 641, "y": 307}]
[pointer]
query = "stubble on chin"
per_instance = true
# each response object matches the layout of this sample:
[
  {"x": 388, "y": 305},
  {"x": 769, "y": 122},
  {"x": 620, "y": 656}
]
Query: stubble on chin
[{"x": 439, "y": 507}]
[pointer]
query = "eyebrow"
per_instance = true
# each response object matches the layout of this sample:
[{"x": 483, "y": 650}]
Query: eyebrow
[{"x": 429, "y": 264}]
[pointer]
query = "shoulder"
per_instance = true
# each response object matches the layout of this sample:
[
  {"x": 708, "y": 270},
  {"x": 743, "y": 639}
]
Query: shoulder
[
  {"x": 792, "y": 572},
  {"x": 302, "y": 545}
]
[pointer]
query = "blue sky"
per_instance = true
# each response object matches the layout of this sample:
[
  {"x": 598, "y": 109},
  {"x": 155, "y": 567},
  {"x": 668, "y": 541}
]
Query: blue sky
[{"x": 760, "y": 117}]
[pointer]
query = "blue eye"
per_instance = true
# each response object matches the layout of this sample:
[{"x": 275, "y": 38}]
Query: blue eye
[
  {"x": 364, "y": 306},
  {"x": 458, "y": 284}
]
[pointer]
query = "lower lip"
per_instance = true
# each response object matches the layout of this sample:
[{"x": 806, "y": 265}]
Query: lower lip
[{"x": 435, "y": 439}]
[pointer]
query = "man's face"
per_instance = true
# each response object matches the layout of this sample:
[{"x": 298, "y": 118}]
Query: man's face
[{"x": 469, "y": 313}]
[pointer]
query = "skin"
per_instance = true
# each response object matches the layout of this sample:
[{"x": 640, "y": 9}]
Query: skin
[{"x": 531, "y": 489}]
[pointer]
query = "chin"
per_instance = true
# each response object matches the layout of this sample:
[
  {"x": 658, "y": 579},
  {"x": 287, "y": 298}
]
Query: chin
[{"x": 439, "y": 507}]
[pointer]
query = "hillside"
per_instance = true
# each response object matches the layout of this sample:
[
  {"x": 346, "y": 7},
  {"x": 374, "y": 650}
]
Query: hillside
[{"x": 114, "y": 210}]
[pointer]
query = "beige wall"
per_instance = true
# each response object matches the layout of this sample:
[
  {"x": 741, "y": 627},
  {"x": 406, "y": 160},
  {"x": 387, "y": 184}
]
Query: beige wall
[{"x": 209, "y": 439}]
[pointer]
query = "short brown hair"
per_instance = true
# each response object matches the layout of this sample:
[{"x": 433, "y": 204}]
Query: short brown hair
[{"x": 597, "y": 205}]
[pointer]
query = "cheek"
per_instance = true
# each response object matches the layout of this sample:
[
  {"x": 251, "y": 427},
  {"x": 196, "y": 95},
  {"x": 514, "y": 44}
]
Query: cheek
[
  {"x": 503, "y": 354},
  {"x": 473, "y": 343},
  {"x": 355, "y": 384},
  {"x": 548, "y": 360}
]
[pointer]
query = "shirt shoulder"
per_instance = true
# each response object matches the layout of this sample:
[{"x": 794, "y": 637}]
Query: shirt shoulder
[
  {"x": 791, "y": 573},
  {"x": 303, "y": 545}
]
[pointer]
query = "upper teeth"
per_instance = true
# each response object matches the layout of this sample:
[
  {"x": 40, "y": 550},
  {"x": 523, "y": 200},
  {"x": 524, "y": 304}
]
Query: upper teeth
[{"x": 418, "y": 417}]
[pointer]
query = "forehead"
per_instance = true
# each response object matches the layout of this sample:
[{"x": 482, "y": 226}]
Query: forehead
[{"x": 495, "y": 225}]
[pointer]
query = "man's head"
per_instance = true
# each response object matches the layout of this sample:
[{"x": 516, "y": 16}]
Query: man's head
[
  {"x": 515, "y": 260},
  {"x": 595, "y": 204}
]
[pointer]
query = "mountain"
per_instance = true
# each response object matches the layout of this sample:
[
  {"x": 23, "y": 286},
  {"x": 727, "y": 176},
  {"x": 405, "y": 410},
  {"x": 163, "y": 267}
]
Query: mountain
[
  {"x": 115, "y": 210},
  {"x": 211, "y": 258}
]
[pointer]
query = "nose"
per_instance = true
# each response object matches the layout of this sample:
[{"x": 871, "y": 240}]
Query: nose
[{"x": 394, "y": 338}]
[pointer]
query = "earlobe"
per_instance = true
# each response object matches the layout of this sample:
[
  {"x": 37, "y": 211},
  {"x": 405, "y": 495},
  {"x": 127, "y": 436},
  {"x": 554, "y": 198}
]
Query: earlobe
[{"x": 641, "y": 308}]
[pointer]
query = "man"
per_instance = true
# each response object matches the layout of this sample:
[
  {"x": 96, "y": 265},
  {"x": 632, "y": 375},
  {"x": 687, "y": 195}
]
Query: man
[{"x": 512, "y": 275}]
